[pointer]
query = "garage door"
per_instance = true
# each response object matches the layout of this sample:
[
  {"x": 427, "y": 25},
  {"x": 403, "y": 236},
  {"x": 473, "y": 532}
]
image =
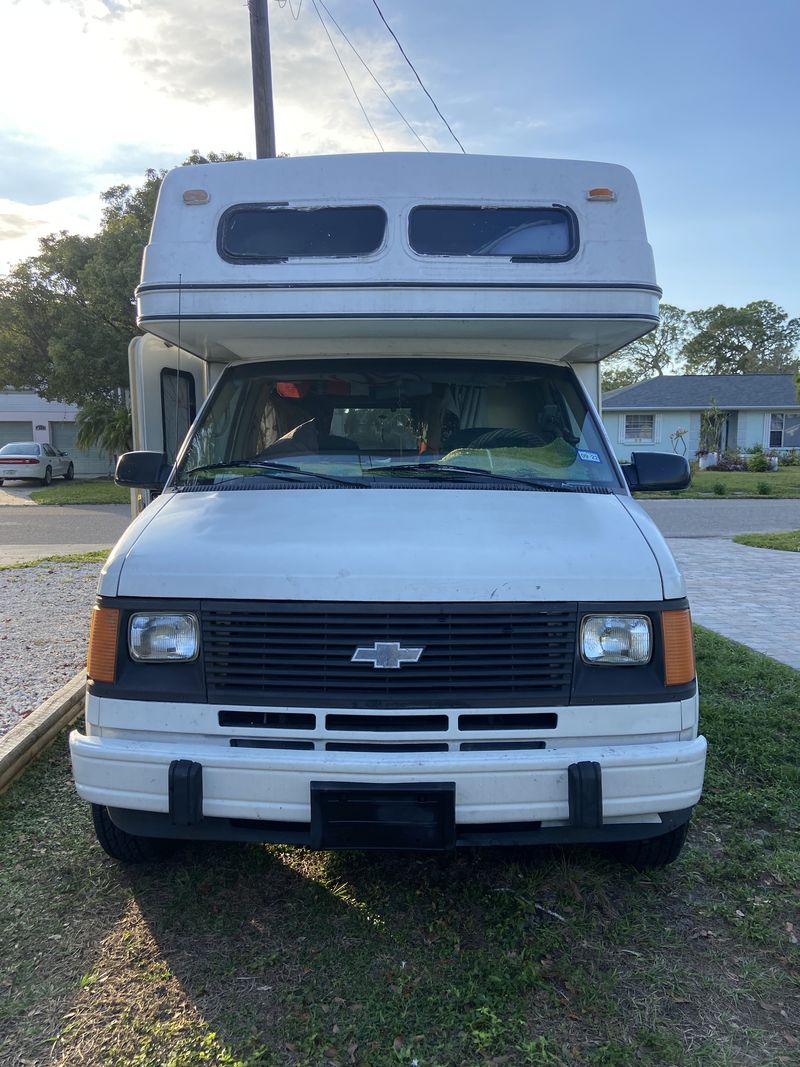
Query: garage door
[
  {"x": 86, "y": 460},
  {"x": 15, "y": 431}
]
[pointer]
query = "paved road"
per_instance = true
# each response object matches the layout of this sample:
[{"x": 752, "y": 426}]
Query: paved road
[
  {"x": 31, "y": 532},
  {"x": 95, "y": 525},
  {"x": 722, "y": 518}
]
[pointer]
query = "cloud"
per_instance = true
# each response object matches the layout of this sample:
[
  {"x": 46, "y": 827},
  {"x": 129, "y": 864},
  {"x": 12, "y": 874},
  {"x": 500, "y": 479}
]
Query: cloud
[
  {"x": 22, "y": 225},
  {"x": 14, "y": 226},
  {"x": 192, "y": 54}
]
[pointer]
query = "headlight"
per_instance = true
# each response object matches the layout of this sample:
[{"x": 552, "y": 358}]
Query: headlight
[
  {"x": 161, "y": 637},
  {"x": 621, "y": 640}
]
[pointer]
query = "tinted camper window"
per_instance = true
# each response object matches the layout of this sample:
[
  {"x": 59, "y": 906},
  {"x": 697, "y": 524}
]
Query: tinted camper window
[
  {"x": 260, "y": 233},
  {"x": 527, "y": 233}
]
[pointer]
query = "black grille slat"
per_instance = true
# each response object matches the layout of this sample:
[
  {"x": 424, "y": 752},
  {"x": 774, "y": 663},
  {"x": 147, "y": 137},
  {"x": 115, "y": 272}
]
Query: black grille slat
[{"x": 301, "y": 654}]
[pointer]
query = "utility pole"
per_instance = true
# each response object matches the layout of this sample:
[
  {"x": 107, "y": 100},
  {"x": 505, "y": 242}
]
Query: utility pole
[{"x": 262, "y": 79}]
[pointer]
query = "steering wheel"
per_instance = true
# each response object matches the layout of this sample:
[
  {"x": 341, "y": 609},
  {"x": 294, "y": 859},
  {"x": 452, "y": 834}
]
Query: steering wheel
[{"x": 509, "y": 438}]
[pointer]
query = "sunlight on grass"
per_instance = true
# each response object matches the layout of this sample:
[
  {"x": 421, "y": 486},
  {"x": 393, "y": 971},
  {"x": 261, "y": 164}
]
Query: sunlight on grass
[
  {"x": 102, "y": 491},
  {"x": 786, "y": 541}
]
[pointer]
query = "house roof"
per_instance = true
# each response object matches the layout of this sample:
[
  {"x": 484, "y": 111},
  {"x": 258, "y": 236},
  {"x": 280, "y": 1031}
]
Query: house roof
[{"x": 696, "y": 391}]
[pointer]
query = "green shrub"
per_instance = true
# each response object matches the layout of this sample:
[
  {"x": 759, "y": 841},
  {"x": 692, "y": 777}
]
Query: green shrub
[
  {"x": 729, "y": 460},
  {"x": 789, "y": 459},
  {"x": 758, "y": 462},
  {"x": 764, "y": 488},
  {"x": 719, "y": 489}
]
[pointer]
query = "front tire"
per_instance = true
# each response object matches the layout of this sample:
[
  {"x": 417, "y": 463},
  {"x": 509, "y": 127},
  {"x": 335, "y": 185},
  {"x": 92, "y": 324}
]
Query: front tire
[
  {"x": 652, "y": 851},
  {"x": 48, "y": 476},
  {"x": 70, "y": 473},
  {"x": 125, "y": 847}
]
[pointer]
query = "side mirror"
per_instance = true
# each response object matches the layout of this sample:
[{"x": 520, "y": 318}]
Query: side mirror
[
  {"x": 656, "y": 472},
  {"x": 142, "y": 470}
]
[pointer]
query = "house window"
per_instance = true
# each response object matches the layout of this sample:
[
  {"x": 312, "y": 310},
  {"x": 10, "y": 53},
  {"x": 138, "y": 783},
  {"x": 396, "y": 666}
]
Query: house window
[
  {"x": 784, "y": 430},
  {"x": 639, "y": 429}
]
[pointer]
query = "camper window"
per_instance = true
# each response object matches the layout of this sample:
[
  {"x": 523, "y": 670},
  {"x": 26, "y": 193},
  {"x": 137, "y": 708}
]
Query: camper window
[
  {"x": 264, "y": 233},
  {"x": 541, "y": 233}
]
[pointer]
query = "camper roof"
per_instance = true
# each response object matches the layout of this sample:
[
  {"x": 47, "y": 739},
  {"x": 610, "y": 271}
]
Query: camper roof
[{"x": 399, "y": 252}]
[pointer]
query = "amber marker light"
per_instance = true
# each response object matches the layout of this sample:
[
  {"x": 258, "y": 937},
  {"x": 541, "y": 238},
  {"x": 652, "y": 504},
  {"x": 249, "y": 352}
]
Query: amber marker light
[
  {"x": 601, "y": 194},
  {"x": 676, "y": 627},
  {"x": 101, "y": 665}
]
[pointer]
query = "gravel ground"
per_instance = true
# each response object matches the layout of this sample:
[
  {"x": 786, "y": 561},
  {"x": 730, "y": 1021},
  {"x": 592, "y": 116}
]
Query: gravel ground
[{"x": 44, "y": 628}]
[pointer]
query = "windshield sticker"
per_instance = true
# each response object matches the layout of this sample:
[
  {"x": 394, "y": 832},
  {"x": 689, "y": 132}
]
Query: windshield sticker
[{"x": 588, "y": 457}]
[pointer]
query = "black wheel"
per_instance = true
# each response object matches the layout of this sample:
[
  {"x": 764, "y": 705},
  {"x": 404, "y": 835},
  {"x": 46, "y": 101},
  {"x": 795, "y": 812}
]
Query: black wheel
[
  {"x": 652, "y": 851},
  {"x": 70, "y": 473},
  {"x": 48, "y": 476},
  {"x": 125, "y": 847}
]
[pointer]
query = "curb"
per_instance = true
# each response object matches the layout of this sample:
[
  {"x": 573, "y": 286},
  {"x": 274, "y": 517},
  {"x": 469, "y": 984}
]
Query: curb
[{"x": 23, "y": 742}]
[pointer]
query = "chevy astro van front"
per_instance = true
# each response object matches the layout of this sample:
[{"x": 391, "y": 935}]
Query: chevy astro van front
[{"x": 394, "y": 592}]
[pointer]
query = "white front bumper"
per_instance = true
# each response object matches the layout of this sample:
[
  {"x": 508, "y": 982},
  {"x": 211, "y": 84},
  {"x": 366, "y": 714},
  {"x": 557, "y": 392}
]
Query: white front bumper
[{"x": 639, "y": 781}]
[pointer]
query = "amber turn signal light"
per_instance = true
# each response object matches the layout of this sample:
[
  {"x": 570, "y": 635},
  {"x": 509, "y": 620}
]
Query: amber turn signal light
[
  {"x": 676, "y": 627},
  {"x": 101, "y": 665}
]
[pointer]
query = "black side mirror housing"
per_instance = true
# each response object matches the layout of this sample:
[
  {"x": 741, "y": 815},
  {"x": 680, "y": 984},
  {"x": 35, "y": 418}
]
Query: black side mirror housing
[
  {"x": 657, "y": 472},
  {"x": 142, "y": 470}
]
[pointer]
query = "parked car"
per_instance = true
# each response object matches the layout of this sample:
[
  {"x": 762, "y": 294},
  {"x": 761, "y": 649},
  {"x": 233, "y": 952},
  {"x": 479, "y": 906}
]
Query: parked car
[{"x": 29, "y": 460}]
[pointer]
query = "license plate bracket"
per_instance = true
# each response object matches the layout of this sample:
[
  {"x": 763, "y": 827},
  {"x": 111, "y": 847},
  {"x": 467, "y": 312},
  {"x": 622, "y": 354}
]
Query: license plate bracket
[{"x": 405, "y": 816}]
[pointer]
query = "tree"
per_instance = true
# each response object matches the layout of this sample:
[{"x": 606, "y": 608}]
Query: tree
[
  {"x": 66, "y": 315},
  {"x": 617, "y": 376},
  {"x": 757, "y": 338},
  {"x": 105, "y": 424},
  {"x": 654, "y": 354}
]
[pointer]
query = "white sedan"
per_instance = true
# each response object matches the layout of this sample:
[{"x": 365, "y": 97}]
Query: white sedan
[{"x": 27, "y": 459}]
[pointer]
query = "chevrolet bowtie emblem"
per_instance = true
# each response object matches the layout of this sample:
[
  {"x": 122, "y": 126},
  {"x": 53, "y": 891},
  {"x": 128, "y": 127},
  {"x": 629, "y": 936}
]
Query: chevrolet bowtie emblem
[{"x": 386, "y": 655}]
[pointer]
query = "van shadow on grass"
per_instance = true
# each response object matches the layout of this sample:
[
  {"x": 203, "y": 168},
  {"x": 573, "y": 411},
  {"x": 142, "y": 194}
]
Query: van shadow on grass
[{"x": 268, "y": 955}]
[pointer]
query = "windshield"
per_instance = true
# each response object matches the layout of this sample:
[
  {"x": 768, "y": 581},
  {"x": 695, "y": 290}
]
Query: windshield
[
  {"x": 398, "y": 423},
  {"x": 19, "y": 448}
]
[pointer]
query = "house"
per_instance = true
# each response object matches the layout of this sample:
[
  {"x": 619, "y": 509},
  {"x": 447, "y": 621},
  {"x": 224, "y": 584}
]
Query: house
[
  {"x": 25, "y": 416},
  {"x": 761, "y": 409}
]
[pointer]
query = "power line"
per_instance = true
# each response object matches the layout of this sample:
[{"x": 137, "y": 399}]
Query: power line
[
  {"x": 349, "y": 80},
  {"x": 413, "y": 68},
  {"x": 374, "y": 78},
  {"x": 282, "y": 5}
]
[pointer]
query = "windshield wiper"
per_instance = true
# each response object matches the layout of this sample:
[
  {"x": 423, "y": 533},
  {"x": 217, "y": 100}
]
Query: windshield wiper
[
  {"x": 269, "y": 468},
  {"x": 475, "y": 472}
]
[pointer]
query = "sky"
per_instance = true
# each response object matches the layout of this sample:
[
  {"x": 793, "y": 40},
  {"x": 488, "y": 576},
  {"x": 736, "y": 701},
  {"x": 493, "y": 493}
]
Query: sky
[{"x": 700, "y": 98}]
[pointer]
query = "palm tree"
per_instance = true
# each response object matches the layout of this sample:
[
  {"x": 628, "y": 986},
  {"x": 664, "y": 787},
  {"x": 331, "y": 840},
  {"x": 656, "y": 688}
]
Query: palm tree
[{"x": 106, "y": 424}]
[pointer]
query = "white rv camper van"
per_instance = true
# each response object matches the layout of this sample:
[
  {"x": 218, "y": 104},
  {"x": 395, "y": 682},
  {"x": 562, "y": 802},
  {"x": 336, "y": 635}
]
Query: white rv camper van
[{"x": 394, "y": 591}]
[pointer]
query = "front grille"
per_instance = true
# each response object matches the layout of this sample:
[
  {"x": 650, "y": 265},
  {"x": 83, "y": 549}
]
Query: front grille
[{"x": 475, "y": 655}]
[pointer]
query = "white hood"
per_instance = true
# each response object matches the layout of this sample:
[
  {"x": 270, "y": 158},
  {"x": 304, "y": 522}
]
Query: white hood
[{"x": 385, "y": 545}]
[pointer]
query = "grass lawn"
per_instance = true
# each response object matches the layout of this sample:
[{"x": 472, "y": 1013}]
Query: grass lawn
[
  {"x": 251, "y": 956},
  {"x": 784, "y": 482},
  {"x": 786, "y": 541},
  {"x": 101, "y": 491}
]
